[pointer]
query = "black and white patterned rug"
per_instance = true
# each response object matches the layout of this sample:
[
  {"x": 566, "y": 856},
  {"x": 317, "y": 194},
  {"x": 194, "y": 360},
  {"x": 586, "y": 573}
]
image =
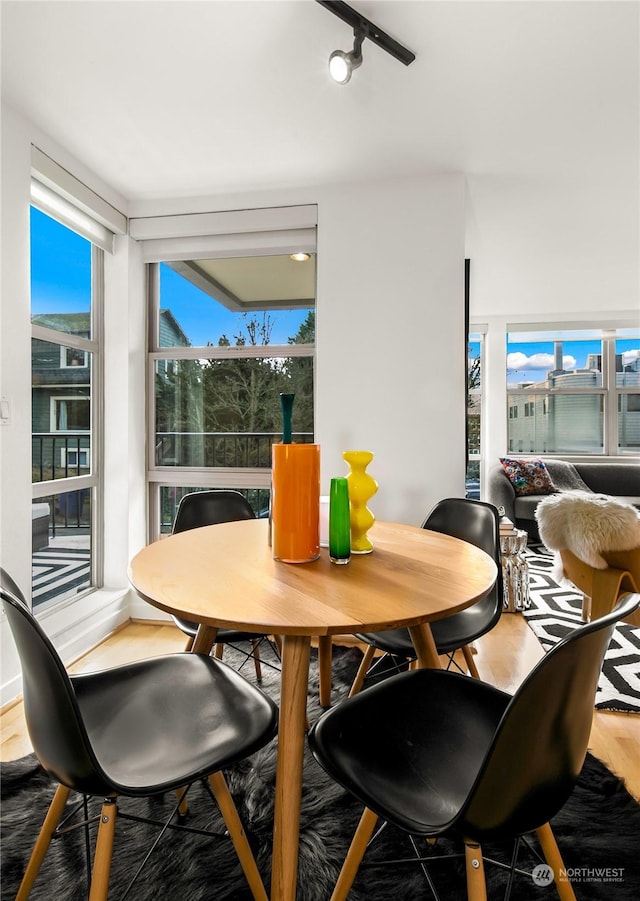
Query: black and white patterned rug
[
  {"x": 555, "y": 611},
  {"x": 58, "y": 572}
]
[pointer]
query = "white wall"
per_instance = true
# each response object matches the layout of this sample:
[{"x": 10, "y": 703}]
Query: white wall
[
  {"x": 74, "y": 625},
  {"x": 560, "y": 247},
  {"x": 390, "y": 338},
  {"x": 15, "y": 366},
  {"x": 390, "y": 334}
]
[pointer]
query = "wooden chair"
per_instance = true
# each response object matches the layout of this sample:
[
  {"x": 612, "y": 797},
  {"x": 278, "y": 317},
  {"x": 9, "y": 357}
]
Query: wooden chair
[{"x": 601, "y": 588}]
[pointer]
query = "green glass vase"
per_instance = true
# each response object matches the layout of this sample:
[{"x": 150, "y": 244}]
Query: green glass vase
[{"x": 339, "y": 522}]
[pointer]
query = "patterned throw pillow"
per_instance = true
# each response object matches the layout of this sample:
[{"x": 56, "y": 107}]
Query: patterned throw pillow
[{"x": 528, "y": 476}]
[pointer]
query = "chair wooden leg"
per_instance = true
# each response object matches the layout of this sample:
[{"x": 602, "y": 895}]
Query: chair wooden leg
[
  {"x": 181, "y": 796},
  {"x": 238, "y": 836},
  {"x": 43, "y": 841},
  {"x": 218, "y": 651},
  {"x": 554, "y": 859},
  {"x": 255, "y": 652},
  {"x": 468, "y": 659},
  {"x": 189, "y": 644},
  {"x": 104, "y": 851},
  {"x": 355, "y": 854},
  {"x": 358, "y": 681},
  {"x": 476, "y": 882},
  {"x": 325, "y": 653}
]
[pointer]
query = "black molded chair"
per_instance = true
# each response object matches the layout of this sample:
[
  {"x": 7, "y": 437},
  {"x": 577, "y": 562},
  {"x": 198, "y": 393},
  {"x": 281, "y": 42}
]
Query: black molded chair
[
  {"x": 477, "y": 523},
  {"x": 458, "y": 755},
  {"x": 131, "y": 731},
  {"x": 207, "y": 508}
]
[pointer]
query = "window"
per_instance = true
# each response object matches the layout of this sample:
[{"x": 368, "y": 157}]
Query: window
[
  {"x": 229, "y": 332},
  {"x": 578, "y": 391},
  {"x": 475, "y": 352},
  {"x": 71, "y": 357},
  {"x": 71, "y": 229},
  {"x": 74, "y": 458}
]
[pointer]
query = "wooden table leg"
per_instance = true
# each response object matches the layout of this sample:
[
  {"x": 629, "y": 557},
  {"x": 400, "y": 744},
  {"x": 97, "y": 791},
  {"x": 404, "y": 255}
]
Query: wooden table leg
[
  {"x": 291, "y": 738},
  {"x": 204, "y": 640},
  {"x": 422, "y": 638},
  {"x": 325, "y": 654}
]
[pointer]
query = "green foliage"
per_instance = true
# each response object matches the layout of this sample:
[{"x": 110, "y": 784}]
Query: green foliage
[{"x": 205, "y": 409}]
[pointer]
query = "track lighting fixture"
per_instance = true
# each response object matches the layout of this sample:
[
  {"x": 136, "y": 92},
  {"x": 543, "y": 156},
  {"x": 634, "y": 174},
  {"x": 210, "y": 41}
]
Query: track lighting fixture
[{"x": 341, "y": 63}]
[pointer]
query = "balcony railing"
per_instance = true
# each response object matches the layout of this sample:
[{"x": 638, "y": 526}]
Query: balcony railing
[
  {"x": 220, "y": 449},
  {"x": 57, "y": 455},
  {"x": 60, "y": 455}
]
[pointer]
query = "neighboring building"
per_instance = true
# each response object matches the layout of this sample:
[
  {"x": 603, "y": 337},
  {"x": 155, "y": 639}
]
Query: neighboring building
[
  {"x": 543, "y": 419},
  {"x": 61, "y": 400},
  {"x": 61, "y": 395}
]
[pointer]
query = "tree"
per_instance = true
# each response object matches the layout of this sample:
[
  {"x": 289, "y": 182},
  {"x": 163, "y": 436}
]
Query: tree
[{"x": 300, "y": 377}]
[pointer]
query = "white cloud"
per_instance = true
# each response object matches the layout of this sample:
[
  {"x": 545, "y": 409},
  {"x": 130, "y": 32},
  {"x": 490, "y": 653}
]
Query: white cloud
[{"x": 518, "y": 362}]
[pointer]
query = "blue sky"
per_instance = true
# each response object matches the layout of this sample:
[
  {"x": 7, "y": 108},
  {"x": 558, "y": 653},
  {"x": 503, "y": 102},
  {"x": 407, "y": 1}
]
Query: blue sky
[
  {"x": 60, "y": 267},
  {"x": 61, "y": 283},
  {"x": 202, "y": 319},
  {"x": 531, "y": 360}
]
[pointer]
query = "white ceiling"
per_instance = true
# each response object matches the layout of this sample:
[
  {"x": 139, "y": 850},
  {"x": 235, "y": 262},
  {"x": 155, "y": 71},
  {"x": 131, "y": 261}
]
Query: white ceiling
[{"x": 170, "y": 99}]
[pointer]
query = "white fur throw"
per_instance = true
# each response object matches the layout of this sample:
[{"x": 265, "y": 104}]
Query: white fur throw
[{"x": 588, "y": 524}]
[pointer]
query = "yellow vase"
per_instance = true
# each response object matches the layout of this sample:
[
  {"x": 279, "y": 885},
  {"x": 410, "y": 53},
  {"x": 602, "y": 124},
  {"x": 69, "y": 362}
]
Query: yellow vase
[{"x": 362, "y": 487}]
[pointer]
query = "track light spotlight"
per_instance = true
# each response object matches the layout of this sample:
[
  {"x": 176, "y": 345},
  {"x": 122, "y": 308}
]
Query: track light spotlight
[{"x": 342, "y": 64}]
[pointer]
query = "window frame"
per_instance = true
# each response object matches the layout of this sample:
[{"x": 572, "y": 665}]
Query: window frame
[
  {"x": 608, "y": 391},
  {"x": 93, "y": 480},
  {"x": 213, "y": 235}
]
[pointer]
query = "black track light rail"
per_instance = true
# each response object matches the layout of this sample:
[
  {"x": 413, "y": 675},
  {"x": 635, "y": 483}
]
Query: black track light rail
[{"x": 372, "y": 32}]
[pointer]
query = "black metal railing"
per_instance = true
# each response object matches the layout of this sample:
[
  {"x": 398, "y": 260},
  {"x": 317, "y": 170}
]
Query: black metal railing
[
  {"x": 57, "y": 455},
  {"x": 54, "y": 456},
  {"x": 220, "y": 449}
]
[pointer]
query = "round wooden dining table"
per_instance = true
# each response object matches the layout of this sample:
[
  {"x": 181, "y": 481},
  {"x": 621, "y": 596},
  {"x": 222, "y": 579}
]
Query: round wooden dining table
[{"x": 224, "y": 576}]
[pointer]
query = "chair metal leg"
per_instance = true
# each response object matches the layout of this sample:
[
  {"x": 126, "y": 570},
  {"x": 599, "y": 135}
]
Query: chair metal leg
[
  {"x": 104, "y": 851},
  {"x": 360, "y": 676},
  {"x": 355, "y": 854},
  {"x": 238, "y": 836},
  {"x": 554, "y": 859},
  {"x": 468, "y": 658},
  {"x": 51, "y": 820},
  {"x": 476, "y": 882}
]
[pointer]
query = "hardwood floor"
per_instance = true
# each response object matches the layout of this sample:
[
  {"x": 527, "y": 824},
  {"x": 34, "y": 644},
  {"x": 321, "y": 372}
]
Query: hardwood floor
[{"x": 504, "y": 656}]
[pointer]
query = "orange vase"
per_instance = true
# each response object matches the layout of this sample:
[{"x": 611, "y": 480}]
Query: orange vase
[{"x": 295, "y": 502}]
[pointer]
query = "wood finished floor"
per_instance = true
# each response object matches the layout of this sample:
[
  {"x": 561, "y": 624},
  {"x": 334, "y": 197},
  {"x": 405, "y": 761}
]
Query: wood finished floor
[{"x": 504, "y": 657}]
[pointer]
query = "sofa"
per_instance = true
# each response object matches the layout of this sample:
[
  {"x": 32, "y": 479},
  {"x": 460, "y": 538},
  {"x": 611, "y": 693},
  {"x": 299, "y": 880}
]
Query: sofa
[{"x": 617, "y": 479}]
